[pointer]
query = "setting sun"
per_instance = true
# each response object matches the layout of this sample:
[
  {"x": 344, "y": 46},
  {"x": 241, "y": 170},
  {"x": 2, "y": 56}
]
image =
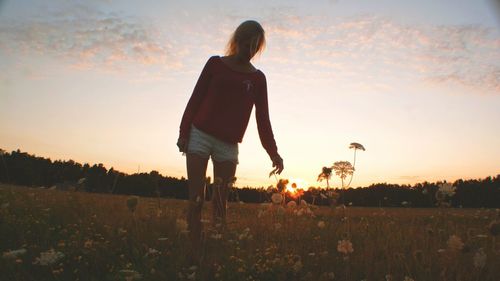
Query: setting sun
[{"x": 296, "y": 187}]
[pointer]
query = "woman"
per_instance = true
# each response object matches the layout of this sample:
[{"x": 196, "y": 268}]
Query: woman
[{"x": 216, "y": 118}]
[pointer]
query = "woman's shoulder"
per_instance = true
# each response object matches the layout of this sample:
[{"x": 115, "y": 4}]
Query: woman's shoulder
[{"x": 213, "y": 59}]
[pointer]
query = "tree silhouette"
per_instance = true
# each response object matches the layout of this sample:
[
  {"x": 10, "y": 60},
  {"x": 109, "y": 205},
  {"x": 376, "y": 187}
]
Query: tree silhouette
[{"x": 32, "y": 171}]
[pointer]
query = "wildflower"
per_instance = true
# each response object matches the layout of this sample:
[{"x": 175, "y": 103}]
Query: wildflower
[
  {"x": 245, "y": 234},
  {"x": 479, "y": 258},
  {"x": 14, "y": 253},
  {"x": 356, "y": 145},
  {"x": 152, "y": 252},
  {"x": 344, "y": 246},
  {"x": 130, "y": 274},
  {"x": 299, "y": 212},
  {"x": 88, "y": 243},
  {"x": 277, "y": 198},
  {"x": 291, "y": 204},
  {"x": 281, "y": 211},
  {"x": 297, "y": 266},
  {"x": 408, "y": 279},
  {"x": 455, "y": 243},
  {"x": 303, "y": 203},
  {"x": 181, "y": 225},
  {"x": 261, "y": 213},
  {"x": 193, "y": 268},
  {"x": 216, "y": 236},
  {"x": 132, "y": 203},
  {"x": 494, "y": 227},
  {"x": 321, "y": 224},
  {"x": 49, "y": 257}
]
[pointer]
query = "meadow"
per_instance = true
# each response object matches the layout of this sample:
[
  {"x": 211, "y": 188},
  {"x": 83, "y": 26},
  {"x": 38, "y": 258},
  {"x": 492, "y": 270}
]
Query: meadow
[{"x": 65, "y": 235}]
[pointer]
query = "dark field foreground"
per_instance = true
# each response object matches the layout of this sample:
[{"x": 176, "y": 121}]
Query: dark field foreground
[{"x": 63, "y": 235}]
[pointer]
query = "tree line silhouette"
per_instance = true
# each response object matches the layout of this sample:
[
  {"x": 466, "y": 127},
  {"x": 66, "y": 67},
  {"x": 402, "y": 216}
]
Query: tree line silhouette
[{"x": 21, "y": 168}]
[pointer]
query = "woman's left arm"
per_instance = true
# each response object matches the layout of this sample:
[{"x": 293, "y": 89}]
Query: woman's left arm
[{"x": 264, "y": 125}]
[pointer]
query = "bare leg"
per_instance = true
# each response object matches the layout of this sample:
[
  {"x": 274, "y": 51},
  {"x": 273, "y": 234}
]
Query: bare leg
[
  {"x": 196, "y": 170},
  {"x": 225, "y": 171}
]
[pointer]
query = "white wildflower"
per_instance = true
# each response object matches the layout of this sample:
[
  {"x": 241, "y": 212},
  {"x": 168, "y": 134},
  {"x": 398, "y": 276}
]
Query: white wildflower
[
  {"x": 216, "y": 236},
  {"x": 131, "y": 274},
  {"x": 303, "y": 203},
  {"x": 479, "y": 258},
  {"x": 297, "y": 266},
  {"x": 49, "y": 257},
  {"x": 344, "y": 246},
  {"x": 14, "y": 253},
  {"x": 321, "y": 224},
  {"x": 455, "y": 243},
  {"x": 277, "y": 198},
  {"x": 192, "y": 276},
  {"x": 281, "y": 211},
  {"x": 181, "y": 225}
]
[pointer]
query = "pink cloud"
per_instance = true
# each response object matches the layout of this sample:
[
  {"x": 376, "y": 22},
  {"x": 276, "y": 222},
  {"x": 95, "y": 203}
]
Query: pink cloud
[{"x": 93, "y": 39}]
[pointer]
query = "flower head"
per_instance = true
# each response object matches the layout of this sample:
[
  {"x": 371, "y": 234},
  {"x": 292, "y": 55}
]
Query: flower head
[
  {"x": 479, "y": 258},
  {"x": 181, "y": 225},
  {"x": 345, "y": 247},
  {"x": 356, "y": 145},
  {"x": 49, "y": 257},
  {"x": 291, "y": 204},
  {"x": 455, "y": 243},
  {"x": 14, "y": 253},
  {"x": 277, "y": 198}
]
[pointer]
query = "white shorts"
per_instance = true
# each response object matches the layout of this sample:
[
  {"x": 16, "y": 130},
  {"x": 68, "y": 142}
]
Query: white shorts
[{"x": 206, "y": 145}]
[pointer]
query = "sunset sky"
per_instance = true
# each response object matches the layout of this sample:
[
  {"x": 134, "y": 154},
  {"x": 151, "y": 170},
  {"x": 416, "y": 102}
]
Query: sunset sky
[{"x": 416, "y": 82}]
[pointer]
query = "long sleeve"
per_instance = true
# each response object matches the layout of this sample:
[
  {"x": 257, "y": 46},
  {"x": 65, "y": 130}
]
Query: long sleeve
[
  {"x": 263, "y": 123},
  {"x": 196, "y": 99}
]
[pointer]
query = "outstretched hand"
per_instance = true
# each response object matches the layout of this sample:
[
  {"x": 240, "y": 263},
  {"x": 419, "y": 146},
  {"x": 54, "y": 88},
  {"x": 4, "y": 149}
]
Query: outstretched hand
[{"x": 277, "y": 164}]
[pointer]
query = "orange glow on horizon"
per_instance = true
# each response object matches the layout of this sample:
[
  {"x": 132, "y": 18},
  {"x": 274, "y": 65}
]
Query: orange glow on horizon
[{"x": 296, "y": 187}]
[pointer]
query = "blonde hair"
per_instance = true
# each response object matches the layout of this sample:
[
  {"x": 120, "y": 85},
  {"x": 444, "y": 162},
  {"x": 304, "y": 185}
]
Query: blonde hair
[{"x": 247, "y": 29}]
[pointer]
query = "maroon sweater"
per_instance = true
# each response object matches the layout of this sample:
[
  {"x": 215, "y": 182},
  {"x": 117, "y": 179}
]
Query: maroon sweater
[{"x": 222, "y": 102}]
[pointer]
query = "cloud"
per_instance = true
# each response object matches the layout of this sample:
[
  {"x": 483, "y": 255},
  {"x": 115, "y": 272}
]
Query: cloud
[
  {"x": 88, "y": 38},
  {"x": 384, "y": 49}
]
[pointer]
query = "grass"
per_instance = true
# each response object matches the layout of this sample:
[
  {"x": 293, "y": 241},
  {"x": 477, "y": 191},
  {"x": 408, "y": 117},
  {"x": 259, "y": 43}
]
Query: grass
[{"x": 96, "y": 237}]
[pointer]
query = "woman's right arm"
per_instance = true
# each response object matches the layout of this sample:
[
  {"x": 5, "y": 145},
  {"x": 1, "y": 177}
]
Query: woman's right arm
[{"x": 197, "y": 96}]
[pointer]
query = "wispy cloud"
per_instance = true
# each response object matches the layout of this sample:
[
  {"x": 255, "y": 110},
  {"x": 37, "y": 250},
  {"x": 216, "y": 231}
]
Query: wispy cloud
[
  {"x": 465, "y": 55},
  {"x": 88, "y": 38}
]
